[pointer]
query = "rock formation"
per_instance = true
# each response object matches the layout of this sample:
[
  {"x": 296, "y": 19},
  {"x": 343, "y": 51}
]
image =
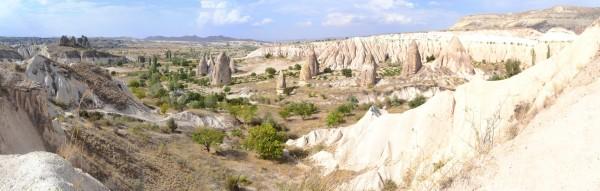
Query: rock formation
[
  {"x": 499, "y": 128},
  {"x": 9, "y": 55},
  {"x": 491, "y": 46},
  {"x": 82, "y": 42},
  {"x": 281, "y": 84},
  {"x": 88, "y": 85},
  {"x": 313, "y": 63},
  {"x": 221, "y": 74},
  {"x": 572, "y": 18},
  {"x": 202, "y": 67},
  {"x": 305, "y": 72},
  {"x": 43, "y": 171},
  {"x": 211, "y": 64},
  {"x": 232, "y": 66},
  {"x": 368, "y": 73},
  {"x": 69, "y": 56},
  {"x": 413, "y": 60},
  {"x": 455, "y": 58}
]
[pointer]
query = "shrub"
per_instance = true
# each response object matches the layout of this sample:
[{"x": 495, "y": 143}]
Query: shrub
[
  {"x": 226, "y": 89},
  {"x": 268, "y": 56},
  {"x": 512, "y": 67},
  {"x": 171, "y": 125},
  {"x": 327, "y": 70},
  {"x": 417, "y": 101},
  {"x": 297, "y": 67},
  {"x": 389, "y": 185},
  {"x": 496, "y": 77},
  {"x": 430, "y": 58},
  {"x": 244, "y": 112},
  {"x": 335, "y": 118},
  {"x": 302, "y": 109},
  {"x": 208, "y": 137},
  {"x": 346, "y": 108},
  {"x": 266, "y": 141},
  {"x": 134, "y": 83},
  {"x": 284, "y": 114},
  {"x": 234, "y": 182},
  {"x": 164, "y": 107},
  {"x": 347, "y": 72},
  {"x": 270, "y": 71}
]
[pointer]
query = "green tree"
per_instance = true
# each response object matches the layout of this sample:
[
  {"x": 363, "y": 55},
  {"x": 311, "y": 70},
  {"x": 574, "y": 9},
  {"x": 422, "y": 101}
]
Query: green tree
[
  {"x": 297, "y": 67},
  {"x": 266, "y": 141},
  {"x": 244, "y": 112},
  {"x": 335, "y": 118},
  {"x": 208, "y": 137},
  {"x": 302, "y": 109},
  {"x": 270, "y": 71},
  {"x": 417, "y": 101},
  {"x": 346, "y": 108},
  {"x": 512, "y": 67},
  {"x": 347, "y": 72}
]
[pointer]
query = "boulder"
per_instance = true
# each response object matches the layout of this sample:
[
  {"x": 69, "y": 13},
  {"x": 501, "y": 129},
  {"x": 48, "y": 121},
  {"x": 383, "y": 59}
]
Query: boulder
[
  {"x": 413, "y": 60},
  {"x": 202, "y": 67},
  {"x": 221, "y": 74},
  {"x": 455, "y": 58},
  {"x": 281, "y": 84},
  {"x": 368, "y": 73}
]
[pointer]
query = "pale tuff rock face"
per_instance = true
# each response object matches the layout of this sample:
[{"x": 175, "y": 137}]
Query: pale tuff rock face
[
  {"x": 306, "y": 73},
  {"x": 441, "y": 138},
  {"x": 413, "y": 60},
  {"x": 221, "y": 74},
  {"x": 491, "y": 46},
  {"x": 211, "y": 64},
  {"x": 203, "y": 67},
  {"x": 43, "y": 171},
  {"x": 281, "y": 84},
  {"x": 368, "y": 73},
  {"x": 455, "y": 58},
  {"x": 232, "y": 66},
  {"x": 313, "y": 62}
]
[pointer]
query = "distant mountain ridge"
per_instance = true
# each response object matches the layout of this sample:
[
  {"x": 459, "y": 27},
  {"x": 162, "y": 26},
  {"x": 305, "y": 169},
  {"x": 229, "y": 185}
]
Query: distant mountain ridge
[
  {"x": 569, "y": 17},
  {"x": 195, "y": 38}
]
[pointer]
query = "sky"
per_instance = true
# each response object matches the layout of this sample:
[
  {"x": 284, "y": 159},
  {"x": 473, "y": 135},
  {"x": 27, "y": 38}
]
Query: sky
[{"x": 270, "y": 20}]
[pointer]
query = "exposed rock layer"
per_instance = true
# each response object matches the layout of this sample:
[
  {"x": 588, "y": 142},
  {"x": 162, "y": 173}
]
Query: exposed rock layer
[
  {"x": 221, "y": 74},
  {"x": 413, "y": 60}
]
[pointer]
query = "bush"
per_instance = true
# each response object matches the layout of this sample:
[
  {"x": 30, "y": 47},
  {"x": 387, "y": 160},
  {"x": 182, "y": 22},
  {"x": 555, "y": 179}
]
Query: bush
[
  {"x": 297, "y": 67},
  {"x": 335, "y": 118},
  {"x": 266, "y": 141},
  {"x": 347, "y": 72},
  {"x": 164, "y": 107},
  {"x": 346, "y": 108},
  {"x": 327, "y": 70},
  {"x": 430, "y": 58},
  {"x": 270, "y": 71},
  {"x": 417, "y": 101},
  {"x": 512, "y": 67},
  {"x": 389, "y": 185},
  {"x": 134, "y": 83},
  {"x": 268, "y": 56},
  {"x": 496, "y": 77},
  {"x": 234, "y": 182},
  {"x": 284, "y": 114},
  {"x": 226, "y": 89},
  {"x": 244, "y": 112},
  {"x": 302, "y": 109},
  {"x": 171, "y": 125},
  {"x": 208, "y": 137}
]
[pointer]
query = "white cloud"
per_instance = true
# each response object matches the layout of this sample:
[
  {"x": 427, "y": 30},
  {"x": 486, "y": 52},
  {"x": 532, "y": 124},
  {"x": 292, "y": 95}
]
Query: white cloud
[
  {"x": 339, "y": 19},
  {"x": 305, "y": 23},
  {"x": 220, "y": 12},
  {"x": 387, "y": 4},
  {"x": 391, "y": 18},
  {"x": 263, "y": 22}
]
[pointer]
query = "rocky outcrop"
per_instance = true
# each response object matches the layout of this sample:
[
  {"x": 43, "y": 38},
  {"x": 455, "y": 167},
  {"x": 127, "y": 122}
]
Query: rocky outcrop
[
  {"x": 455, "y": 58},
  {"x": 82, "y": 42},
  {"x": 368, "y": 73},
  {"x": 232, "y": 66},
  {"x": 9, "y": 55},
  {"x": 434, "y": 145},
  {"x": 221, "y": 74},
  {"x": 202, "y": 67},
  {"x": 571, "y": 18},
  {"x": 189, "y": 122},
  {"x": 25, "y": 124},
  {"x": 313, "y": 63},
  {"x": 43, "y": 171},
  {"x": 305, "y": 72},
  {"x": 30, "y": 51},
  {"x": 413, "y": 60},
  {"x": 69, "y": 56},
  {"x": 281, "y": 84},
  {"x": 82, "y": 85},
  {"x": 491, "y": 46}
]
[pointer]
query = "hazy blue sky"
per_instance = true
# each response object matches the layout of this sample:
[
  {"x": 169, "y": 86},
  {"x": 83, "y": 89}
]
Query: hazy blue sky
[{"x": 258, "y": 19}]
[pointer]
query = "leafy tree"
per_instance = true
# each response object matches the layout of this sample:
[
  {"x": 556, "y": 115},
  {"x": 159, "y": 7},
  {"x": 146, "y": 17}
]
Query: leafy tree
[
  {"x": 270, "y": 71},
  {"x": 302, "y": 109},
  {"x": 266, "y": 141},
  {"x": 335, "y": 118},
  {"x": 297, "y": 67},
  {"x": 346, "y": 108},
  {"x": 347, "y": 72},
  {"x": 244, "y": 112},
  {"x": 208, "y": 137},
  {"x": 417, "y": 101},
  {"x": 211, "y": 101}
]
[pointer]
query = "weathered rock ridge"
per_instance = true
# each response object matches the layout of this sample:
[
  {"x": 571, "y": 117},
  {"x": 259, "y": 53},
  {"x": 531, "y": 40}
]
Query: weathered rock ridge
[
  {"x": 221, "y": 74},
  {"x": 434, "y": 145},
  {"x": 569, "y": 17},
  {"x": 526, "y": 45}
]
